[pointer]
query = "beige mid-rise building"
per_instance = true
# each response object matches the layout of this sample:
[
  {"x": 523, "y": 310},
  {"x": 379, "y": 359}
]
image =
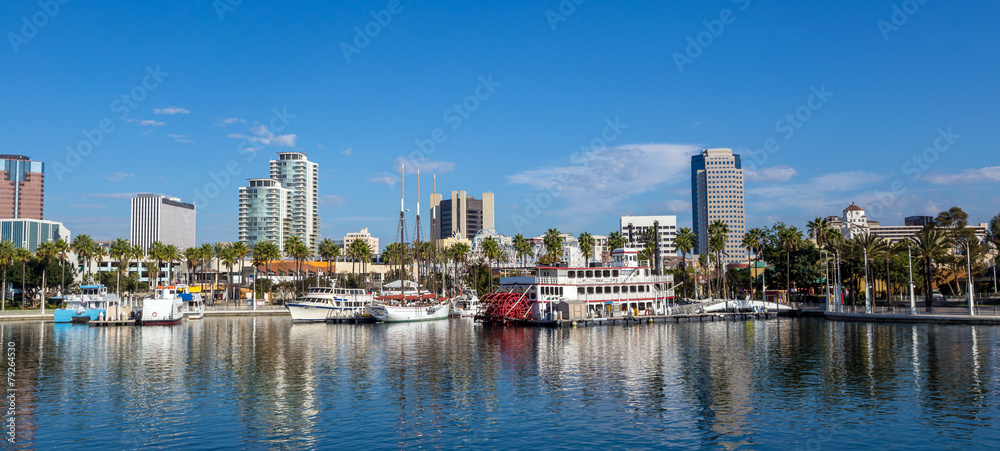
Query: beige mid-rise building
[
  {"x": 717, "y": 195},
  {"x": 462, "y": 215}
]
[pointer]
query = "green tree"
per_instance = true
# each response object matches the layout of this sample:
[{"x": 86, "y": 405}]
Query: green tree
[
  {"x": 930, "y": 245},
  {"x": 23, "y": 255},
  {"x": 718, "y": 234},
  {"x": 329, "y": 252},
  {"x": 8, "y": 253},
  {"x": 616, "y": 240},
  {"x": 192, "y": 256},
  {"x": 790, "y": 238},
  {"x": 62, "y": 248},
  {"x": 521, "y": 247},
  {"x": 586, "y": 241},
  {"x": 83, "y": 246},
  {"x": 685, "y": 244},
  {"x": 490, "y": 250},
  {"x": 553, "y": 242},
  {"x": 753, "y": 240}
]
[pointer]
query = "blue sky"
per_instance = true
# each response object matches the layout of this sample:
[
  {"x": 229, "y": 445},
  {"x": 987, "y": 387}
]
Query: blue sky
[{"x": 553, "y": 78}]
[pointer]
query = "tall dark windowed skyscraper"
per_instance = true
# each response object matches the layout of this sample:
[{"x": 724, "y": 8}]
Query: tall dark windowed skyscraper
[
  {"x": 717, "y": 195},
  {"x": 22, "y": 187}
]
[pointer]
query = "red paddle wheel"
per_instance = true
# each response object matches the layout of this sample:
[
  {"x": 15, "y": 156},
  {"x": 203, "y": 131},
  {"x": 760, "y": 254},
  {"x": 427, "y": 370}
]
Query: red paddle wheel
[{"x": 501, "y": 308}]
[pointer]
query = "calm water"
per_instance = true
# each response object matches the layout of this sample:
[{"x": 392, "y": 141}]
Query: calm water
[{"x": 265, "y": 383}]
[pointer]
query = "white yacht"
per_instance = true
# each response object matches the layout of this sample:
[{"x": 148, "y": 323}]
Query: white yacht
[
  {"x": 465, "y": 305},
  {"x": 406, "y": 302},
  {"x": 165, "y": 309},
  {"x": 322, "y": 303}
]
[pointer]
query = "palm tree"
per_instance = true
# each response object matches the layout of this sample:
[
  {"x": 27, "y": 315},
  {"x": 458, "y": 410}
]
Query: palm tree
[
  {"x": 45, "y": 252},
  {"x": 62, "y": 249},
  {"x": 229, "y": 257},
  {"x": 753, "y": 240},
  {"x": 718, "y": 233},
  {"x": 616, "y": 240},
  {"x": 684, "y": 243},
  {"x": 155, "y": 253},
  {"x": 207, "y": 252},
  {"x": 120, "y": 251},
  {"x": 328, "y": 251},
  {"x": 267, "y": 251},
  {"x": 459, "y": 254},
  {"x": 820, "y": 230},
  {"x": 138, "y": 254},
  {"x": 931, "y": 246},
  {"x": 364, "y": 253},
  {"x": 83, "y": 246},
  {"x": 170, "y": 255},
  {"x": 871, "y": 247},
  {"x": 586, "y": 241},
  {"x": 553, "y": 246},
  {"x": 242, "y": 251},
  {"x": 789, "y": 238},
  {"x": 192, "y": 256},
  {"x": 521, "y": 247},
  {"x": 23, "y": 255},
  {"x": 217, "y": 250},
  {"x": 8, "y": 252},
  {"x": 491, "y": 250}
]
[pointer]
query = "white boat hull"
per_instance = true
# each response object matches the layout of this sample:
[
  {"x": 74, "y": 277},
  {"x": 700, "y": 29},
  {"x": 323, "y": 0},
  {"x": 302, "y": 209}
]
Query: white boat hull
[
  {"x": 306, "y": 311},
  {"x": 162, "y": 311},
  {"x": 403, "y": 314}
]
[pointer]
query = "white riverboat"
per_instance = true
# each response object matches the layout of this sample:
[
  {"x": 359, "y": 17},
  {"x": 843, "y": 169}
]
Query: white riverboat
[
  {"x": 166, "y": 308},
  {"x": 323, "y": 303},
  {"x": 547, "y": 293}
]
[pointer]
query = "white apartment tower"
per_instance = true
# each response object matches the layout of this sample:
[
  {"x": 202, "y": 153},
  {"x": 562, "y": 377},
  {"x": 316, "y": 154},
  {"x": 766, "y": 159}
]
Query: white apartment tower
[
  {"x": 717, "y": 195},
  {"x": 632, "y": 228},
  {"x": 264, "y": 212},
  {"x": 301, "y": 178},
  {"x": 162, "y": 218}
]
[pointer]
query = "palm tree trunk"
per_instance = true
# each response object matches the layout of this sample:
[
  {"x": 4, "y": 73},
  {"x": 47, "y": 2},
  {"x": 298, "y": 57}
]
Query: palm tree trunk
[{"x": 928, "y": 295}]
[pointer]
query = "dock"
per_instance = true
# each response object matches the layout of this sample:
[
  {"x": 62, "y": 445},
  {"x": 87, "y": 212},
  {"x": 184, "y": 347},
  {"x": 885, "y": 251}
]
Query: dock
[
  {"x": 112, "y": 323},
  {"x": 636, "y": 320}
]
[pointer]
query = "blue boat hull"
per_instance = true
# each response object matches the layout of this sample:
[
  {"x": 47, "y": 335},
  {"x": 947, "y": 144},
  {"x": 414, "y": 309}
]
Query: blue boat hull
[{"x": 65, "y": 315}]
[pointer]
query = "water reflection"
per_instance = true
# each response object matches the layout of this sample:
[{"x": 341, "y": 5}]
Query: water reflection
[{"x": 264, "y": 382}]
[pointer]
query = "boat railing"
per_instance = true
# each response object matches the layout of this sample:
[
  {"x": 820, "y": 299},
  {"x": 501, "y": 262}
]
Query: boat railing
[{"x": 602, "y": 280}]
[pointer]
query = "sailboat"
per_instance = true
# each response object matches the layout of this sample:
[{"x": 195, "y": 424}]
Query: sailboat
[{"x": 410, "y": 304}]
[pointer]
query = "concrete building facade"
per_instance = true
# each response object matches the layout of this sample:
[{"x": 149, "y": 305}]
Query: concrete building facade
[
  {"x": 264, "y": 213},
  {"x": 632, "y": 228},
  {"x": 462, "y": 215},
  {"x": 363, "y": 235},
  {"x": 22, "y": 187},
  {"x": 301, "y": 178},
  {"x": 155, "y": 217},
  {"x": 717, "y": 195},
  {"x": 29, "y": 233}
]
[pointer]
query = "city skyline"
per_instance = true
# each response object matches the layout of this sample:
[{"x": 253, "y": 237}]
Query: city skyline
[{"x": 814, "y": 137}]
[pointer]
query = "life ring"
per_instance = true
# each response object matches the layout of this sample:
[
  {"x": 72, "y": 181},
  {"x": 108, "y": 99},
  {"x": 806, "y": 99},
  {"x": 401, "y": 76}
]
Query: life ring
[{"x": 154, "y": 314}]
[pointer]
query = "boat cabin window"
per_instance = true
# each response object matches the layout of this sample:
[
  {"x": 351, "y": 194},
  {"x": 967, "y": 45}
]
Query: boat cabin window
[
  {"x": 607, "y": 273},
  {"x": 614, "y": 273},
  {"x": 580, "y": 290},
  {"x": 590, "y": 290},
  {"x": 590, "y": 273},
  {"x": 616, "y": 290},
  {"x": 632, "y": 289},
  {"x": 571, "y": 274}
]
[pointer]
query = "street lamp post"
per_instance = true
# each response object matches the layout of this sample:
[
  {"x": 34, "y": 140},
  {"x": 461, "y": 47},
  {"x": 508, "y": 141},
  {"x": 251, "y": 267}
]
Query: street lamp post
[
  {"x": 828, "y": 295},
  {"x": 909, "y": 260},
  {"x": 837, "y": 291},
  {"x": 968, "y": 259},
  {"x": 868, "y": 298}
]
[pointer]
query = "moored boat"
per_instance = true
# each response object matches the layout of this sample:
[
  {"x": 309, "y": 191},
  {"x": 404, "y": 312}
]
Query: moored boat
[
  {"x": 164, "y": 309},
  {"x": 323, "y": 303},
  {"x": 94, "y": 302}
]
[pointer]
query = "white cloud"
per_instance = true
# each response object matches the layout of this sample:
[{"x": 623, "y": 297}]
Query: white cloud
[
  {"x": 384, "y": 178},
  {"x": 331, "y": 200},
  {"x": 264, "y": 136},
  {"x": 171, "y": 110},
  {"x": 966, "y": 177},
  {"x": 348, "y": 152},
  {"x": 224, "y": 121},
  {"x": 118, "y": 176},
  {"x": 112, "y": 195},
  {"x": 181, "y": 138},
  {"x": 598, "y": 182},
  {"x": 819, "y": 196},
  {"x": 426, "y": 166},
  {"x": 773, "y": 174},
  {"x": 150, "y": 123}
]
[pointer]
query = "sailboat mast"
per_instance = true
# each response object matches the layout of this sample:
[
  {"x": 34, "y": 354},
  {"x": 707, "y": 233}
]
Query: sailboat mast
[
  {"x": 416, "y": 247},
  {"x": 433, "y": 240},
  {"x": 402, "y": 233}
]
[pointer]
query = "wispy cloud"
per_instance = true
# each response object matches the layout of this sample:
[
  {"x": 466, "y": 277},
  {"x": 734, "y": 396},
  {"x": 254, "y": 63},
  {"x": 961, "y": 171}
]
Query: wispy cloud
[
  {"x": 171, "y": 110},
  {"x": 224, "y": 121},
  {"x": 118, "y": 176},
  {"x": 348, "y": 152},
  {"x": 264, "y": 136},
  {"x": 598, "y": 182},
  {"x": 112, "y": 195},
  {"x": 384, "y": 178},
  {"x": 182, "y": 138},
  {"x": 426, "y": 166},
  {"x": 88, "y": 206},
  {"x": 332, "y": 200},
  {"x": 771, "y": 174},
  {"x": 969, "y": 176},
  {"x": 151, "y": 123}
]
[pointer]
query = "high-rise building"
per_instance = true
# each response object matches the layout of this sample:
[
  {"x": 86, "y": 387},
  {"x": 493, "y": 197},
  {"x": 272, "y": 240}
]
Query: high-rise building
[
  {"x": 363, "y": 235},
  {"x": 632, "y": 228},
  {"x": 162, "y": 218},
  {"x": 264, "y": 212},
  {"x": 22, "y": 191},
  {"x": 717, "y": 195},
  {"x": 29, "y": 233},
  {"x": 301, "y": 178},
  {"x": 462, "y": 215}
]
